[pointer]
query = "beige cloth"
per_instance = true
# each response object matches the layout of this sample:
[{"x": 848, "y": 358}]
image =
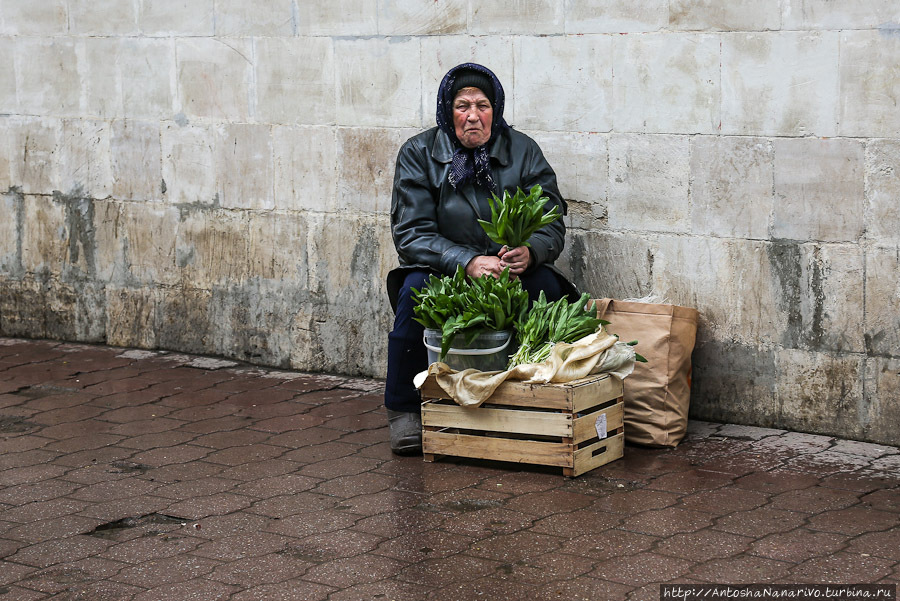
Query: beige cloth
[{"x": 597, "y": 353}]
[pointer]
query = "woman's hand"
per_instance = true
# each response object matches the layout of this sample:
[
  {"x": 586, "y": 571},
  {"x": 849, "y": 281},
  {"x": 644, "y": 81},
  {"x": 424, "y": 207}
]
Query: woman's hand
[
  {"x": 484, "y": 265},
  {"x": 517, "y": 259}
]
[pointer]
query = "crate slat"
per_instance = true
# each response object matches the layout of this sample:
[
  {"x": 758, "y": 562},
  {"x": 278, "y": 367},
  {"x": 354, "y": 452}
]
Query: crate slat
[
  {"x": 500, "y": 449},
  {"x": 585, "y": 427},
  {"x": 498, "y": 420},
  {"x": 585, "y": 460},
  {"x": 574, "y": 396},
  {"x": 605, "y": 388},
  {"x": 511, "y": 392}
]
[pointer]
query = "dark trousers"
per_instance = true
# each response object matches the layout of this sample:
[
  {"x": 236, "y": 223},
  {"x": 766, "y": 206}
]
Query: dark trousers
[{"x": 406, "y": 352}]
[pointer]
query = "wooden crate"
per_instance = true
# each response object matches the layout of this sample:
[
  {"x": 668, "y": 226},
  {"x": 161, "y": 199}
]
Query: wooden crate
[{"x": 544, "y": 424}]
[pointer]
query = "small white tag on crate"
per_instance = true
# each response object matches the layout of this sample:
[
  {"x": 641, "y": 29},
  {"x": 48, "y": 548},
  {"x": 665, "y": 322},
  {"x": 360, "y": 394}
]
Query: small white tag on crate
[{"x": 600, "y": 424}]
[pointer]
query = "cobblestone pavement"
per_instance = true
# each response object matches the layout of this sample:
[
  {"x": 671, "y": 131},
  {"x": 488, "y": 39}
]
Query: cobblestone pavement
[{"x": 159, "y": 476}]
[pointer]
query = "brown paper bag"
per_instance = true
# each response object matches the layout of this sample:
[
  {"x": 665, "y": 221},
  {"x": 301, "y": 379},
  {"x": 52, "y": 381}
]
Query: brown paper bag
[{"x": 657, "y": 393}]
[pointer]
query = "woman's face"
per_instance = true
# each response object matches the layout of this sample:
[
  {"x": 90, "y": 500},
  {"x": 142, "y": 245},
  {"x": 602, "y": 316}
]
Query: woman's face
[{"x": 472, "y": 117}]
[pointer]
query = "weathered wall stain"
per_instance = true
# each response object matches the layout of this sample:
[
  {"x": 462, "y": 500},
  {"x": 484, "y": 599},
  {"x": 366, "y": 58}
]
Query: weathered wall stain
[
  {"x": 175, "y": 309},
  {"x": 44, "y": 307},
  {"x": 734, "y": 383},
  {"x": 577, "y": 263},
  {"x": 815, "y": 333},
  {"x": 82, "y": 243},
  {"x": 131, "y": 317},
  {"x": 784, "y": 258},
  {"x": 800, "y": 277},
  {"x": 11, "y": 263},
  {"x": 362, "y": 263}
]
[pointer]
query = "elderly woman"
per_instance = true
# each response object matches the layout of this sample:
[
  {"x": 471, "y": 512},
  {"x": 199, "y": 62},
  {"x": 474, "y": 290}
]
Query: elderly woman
[{"x": 443, "y": 179}]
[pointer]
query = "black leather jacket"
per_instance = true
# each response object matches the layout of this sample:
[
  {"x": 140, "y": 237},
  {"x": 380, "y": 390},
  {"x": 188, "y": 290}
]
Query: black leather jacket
[{"x": 435, "y": 227}]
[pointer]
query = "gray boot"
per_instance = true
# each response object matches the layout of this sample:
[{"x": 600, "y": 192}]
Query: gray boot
[{"x": 406, "y": 432}]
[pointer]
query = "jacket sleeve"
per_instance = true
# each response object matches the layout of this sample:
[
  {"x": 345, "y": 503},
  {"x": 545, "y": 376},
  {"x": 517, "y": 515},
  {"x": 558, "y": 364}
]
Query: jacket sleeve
[
  {"x": 546, "y": 243},
  {"x": 414, "y": 216}
]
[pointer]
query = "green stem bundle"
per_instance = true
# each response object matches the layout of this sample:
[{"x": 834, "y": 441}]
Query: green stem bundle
[
  {"x": 514, "y": 218},
  {"x": 548, "y": 324}
]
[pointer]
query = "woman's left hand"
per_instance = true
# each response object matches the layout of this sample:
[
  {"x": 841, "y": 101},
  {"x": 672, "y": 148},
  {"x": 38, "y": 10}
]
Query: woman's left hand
[{"x": 517, "y": 259}]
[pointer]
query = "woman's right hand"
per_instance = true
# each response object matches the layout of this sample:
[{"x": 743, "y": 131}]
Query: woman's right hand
[{"x": 482, "y": 265}]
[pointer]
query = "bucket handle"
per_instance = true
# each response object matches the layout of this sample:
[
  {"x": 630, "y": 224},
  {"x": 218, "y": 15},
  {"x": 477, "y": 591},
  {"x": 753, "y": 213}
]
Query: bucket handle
[{"x": 472, "y": 351}]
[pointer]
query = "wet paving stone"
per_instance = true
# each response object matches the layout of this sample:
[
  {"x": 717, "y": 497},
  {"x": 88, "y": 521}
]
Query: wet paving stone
[
  {"x": 884, "y": 500},
  {"x": 635, "y": 501},
  {"x": 776, "y": 481},
  {"x": 286, "y": 484},
  {"x": 842, "y": 567},
  {"x": 427, "y": 544},
  {"x": 609, "y": 544},
  {"x": 448, "y": 570},
  {"x": 152, "y": 544},
  {"x": 690, "y": 481},
  {"x": 577, "y": 523},
  {"x": 704, "y": 545},
  {"x": 264, "y": 468},
  {"x": 741, "y": 569},
  {"x": 242, "y": 545},
  {"x": 518, "y": 546},
  {"x": 549, "y": 503},
  {"x": 357, "y": 484},
  {"x": 729, "y": 499},
  {"x": 312, "y": 522},
  {"x": 59, "y": 551},
  {"x": 265, "y": 569},
  {"x": 880, "y": 544},
  {"x": 384, "y": 589},
  {"x": 489, "y": 587},
  {"x": 350, "y": 571},
  {"x": 321, "y": 452},
  {"x": 54, "y": 528},
  {"x": 400, "y": 522},
  {"x": 668, "y": 521},
  {"x": 583, "y": 589},
  {"x": 798, "y": 545},
  {"x": 854, "y": 520},
  {"x": 33, "y": 493},
  {"x": 760, "y": 521},
  {"x": 486, "y": 522},
  {"x": 641, "y": 569},
  {"x": 139, "y": 478},
  {"x": 198, "y": 588},
  {"x": 234, "y": 456}
]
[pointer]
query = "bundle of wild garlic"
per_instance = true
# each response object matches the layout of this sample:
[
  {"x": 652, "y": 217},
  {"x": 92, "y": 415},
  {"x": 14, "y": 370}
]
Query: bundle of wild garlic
[
  {"x": 548, "y": 324},
  {"x": 457, "y": 304},
  {"x": 514, "y": 218}
]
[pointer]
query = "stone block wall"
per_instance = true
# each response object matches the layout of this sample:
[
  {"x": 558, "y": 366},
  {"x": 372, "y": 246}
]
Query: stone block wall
[{"x": 214, "y": 176}]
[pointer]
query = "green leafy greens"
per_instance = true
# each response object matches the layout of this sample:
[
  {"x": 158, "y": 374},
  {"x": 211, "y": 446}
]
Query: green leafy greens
[
  {"x": 550, "y": 323},
  {"x": 514, "y": 218},
  {"x": 457, "y": 304}
]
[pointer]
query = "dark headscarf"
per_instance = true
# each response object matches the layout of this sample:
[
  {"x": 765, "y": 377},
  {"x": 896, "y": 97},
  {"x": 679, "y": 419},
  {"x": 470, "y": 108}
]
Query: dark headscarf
[{"x": 470, "y": 165}]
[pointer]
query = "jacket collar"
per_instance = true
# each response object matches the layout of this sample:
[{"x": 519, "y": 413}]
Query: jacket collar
[{"x": 442, "y": 149}]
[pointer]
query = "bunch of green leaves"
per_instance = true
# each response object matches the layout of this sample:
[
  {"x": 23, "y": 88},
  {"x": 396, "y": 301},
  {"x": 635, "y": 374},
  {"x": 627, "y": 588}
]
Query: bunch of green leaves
[
  {"x": 550, "y": 323},
  {"x": 457, "y": 304},
  {"x": 514, "y": 218}
]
